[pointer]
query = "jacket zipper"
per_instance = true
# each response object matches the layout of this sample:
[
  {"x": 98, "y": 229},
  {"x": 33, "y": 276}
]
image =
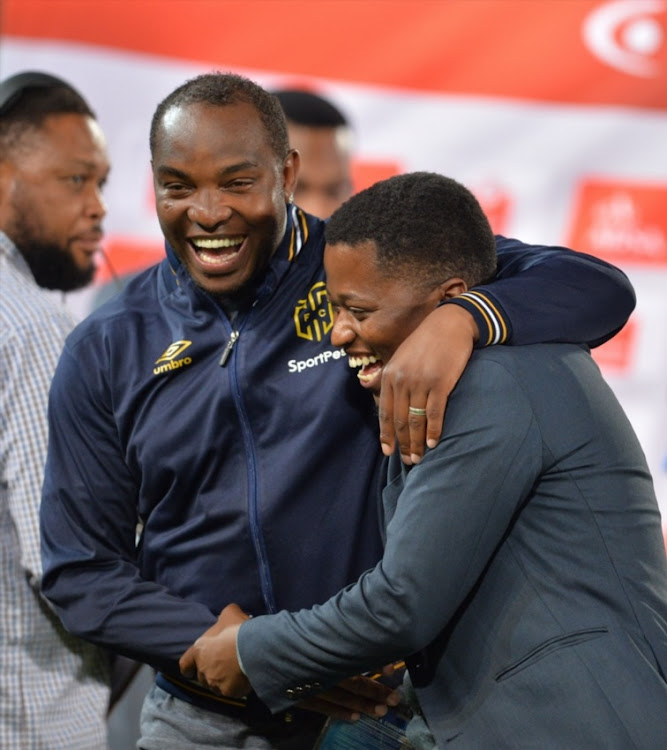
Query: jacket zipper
[
  {"x": 253, "y": 505},
  {"x": 228, "y": 349}
]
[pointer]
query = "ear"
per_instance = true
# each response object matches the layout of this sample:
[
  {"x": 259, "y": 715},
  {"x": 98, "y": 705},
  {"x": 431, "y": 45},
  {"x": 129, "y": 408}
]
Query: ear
[
  {"x": 291, "y": 172},
  {"x": 452, "y": 288}
]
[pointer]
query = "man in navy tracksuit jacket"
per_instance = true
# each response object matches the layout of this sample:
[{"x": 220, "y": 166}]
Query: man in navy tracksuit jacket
[{"x": 234, "y": 432}]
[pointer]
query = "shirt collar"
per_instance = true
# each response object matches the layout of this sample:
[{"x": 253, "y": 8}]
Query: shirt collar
[{"x": 9, "y": 250}]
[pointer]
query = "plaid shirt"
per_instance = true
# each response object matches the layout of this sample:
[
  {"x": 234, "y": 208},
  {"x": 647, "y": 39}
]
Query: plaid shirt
[{"x": 53, "y": 687}]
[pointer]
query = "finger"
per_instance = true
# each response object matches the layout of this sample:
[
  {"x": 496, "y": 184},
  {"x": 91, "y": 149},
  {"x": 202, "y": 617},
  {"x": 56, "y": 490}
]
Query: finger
[
  {"x": 400, "y": 405},
  {"x": 416, "y": 428},
  {"x": 356, "y": 703},
  {"x": 389, "y": 670},
  {"x": 187, "y": 663},
  {"x": 369, "y": 688},
  {"x": 386, "y": 419},
  {"x": 342, "y": 703},
  {"x": 425, "y": 430},
  {"x": 435, "y": 415},
  {"x": 202, "y": 680},
  {"x": 321, "y": 706}
]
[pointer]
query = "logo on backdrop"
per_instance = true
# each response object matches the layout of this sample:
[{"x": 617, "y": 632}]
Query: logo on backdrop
[
  {"x": 624, "y": 223},
  {"x": 628, "y": 35}
]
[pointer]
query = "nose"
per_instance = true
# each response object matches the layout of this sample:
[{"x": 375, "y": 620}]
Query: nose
[
  {"x": 96, "y": 206},
  {"x": 208, "y": 209},
  {"x": 342, "y": 333}
]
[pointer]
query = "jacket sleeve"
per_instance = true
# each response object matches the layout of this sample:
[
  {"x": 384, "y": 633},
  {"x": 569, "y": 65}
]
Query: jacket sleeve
[
  {"x": 544, "y": 294},
  {"x": 88, "y": 525},
  {"x": 434, "y": 555}
]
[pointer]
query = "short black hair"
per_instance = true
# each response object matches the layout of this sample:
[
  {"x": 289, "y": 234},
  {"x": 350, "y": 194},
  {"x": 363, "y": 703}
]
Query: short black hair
[
  {"x": 27, "y": 99},
  {"x": 423, "y": 224},
  {"x": 221, "y": 89},
  {"x": 309, "y": 109}
]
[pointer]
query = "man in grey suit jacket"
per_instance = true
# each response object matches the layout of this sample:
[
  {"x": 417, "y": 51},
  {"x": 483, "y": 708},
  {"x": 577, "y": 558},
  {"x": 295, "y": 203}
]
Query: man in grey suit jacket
[{"x": 524, "y": 573}]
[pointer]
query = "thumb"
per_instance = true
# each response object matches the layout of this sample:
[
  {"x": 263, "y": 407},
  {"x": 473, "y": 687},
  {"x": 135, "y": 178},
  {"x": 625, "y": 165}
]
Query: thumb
[{"x": 187, "y": 664}]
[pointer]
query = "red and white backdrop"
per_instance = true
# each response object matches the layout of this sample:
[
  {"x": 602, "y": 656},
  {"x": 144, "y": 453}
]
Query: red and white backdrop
[{"x": 553, "y": 111}]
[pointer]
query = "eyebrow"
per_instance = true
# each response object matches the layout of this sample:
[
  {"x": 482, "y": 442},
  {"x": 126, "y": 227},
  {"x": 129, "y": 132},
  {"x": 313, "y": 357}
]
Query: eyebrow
[
  {"x": 89, "y": 166},
  {"x": 84, "y": 163},
  {"x": 231, "y": 169},
  {"x": 171, "y": 171},
  {"x": 346, "y": 299}
]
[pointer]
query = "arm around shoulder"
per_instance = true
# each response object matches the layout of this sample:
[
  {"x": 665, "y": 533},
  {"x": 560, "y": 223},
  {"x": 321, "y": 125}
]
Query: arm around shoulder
[{"x": 543, "y": 294}]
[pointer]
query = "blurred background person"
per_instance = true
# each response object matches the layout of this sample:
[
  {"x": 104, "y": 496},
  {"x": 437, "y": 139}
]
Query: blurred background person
[
  {"x": 323, "y": 136},
  {"x": 54, "y": 688}
]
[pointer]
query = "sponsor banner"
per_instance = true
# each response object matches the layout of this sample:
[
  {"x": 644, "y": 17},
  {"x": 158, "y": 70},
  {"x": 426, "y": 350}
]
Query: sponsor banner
[
  {"x": 597, "y": 52},
  {"x": 623, "y": 222}
]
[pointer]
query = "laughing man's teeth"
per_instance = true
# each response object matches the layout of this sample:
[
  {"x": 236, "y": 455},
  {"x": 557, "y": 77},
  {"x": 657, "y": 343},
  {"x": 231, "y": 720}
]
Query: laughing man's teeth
[
  {"x": 217, "y": 244},
  {"x": 361, "y": 361}
]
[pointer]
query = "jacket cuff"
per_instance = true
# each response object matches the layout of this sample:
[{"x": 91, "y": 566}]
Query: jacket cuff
[{"x": 492, "y": 322}]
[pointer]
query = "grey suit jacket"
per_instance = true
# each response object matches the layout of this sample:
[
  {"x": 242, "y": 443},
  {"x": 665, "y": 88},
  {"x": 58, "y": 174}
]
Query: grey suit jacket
[{"x": 524, "y": 573}]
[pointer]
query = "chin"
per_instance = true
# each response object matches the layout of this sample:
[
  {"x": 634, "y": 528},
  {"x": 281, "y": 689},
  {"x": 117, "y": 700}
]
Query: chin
[{"x": 223, "y": 291}]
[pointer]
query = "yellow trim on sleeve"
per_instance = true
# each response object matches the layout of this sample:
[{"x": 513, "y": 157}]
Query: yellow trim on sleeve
[
  {"x": 483, "y": 313},
  {"x": 499, "y": 317}
]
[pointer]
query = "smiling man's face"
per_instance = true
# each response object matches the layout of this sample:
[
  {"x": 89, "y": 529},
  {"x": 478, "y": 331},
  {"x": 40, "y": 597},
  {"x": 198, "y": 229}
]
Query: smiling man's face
[
  {"x": 373, "y": 312},
  {"x": 220, "y": 193}
]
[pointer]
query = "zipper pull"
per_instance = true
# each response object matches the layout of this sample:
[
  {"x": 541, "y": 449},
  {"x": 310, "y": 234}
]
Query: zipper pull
[{"x": 228, "y": 349}]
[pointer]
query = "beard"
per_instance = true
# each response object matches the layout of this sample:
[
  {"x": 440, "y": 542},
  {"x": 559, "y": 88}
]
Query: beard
[
  {"x": 51, "y": 262},
  {"x": 55, "y": 268},
  {"x": 52, "y": 266}
]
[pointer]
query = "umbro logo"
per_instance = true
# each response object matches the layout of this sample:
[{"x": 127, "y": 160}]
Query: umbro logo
[{"x": 167, "y": 361}]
